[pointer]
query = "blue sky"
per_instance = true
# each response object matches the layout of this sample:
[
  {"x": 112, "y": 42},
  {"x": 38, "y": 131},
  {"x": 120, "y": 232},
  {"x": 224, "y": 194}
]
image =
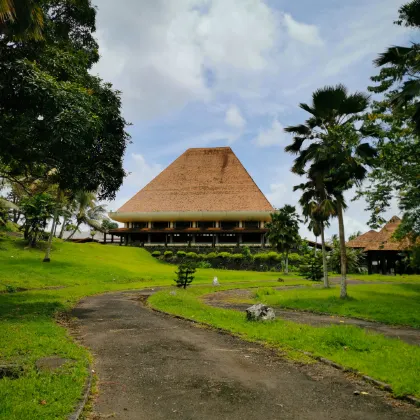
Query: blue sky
[{"x": 201, "y": 73}]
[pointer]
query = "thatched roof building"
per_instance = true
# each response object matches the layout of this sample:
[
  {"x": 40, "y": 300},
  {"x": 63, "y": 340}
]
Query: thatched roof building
[{"x": 382, "y": 249}]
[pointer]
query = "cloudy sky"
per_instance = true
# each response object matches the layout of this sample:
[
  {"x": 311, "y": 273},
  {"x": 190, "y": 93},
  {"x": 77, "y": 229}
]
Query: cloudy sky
[{"x": 202, "y": 73}]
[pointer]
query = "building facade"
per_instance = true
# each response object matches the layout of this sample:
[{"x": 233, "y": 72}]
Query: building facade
[{"x": 204, "y": 198}]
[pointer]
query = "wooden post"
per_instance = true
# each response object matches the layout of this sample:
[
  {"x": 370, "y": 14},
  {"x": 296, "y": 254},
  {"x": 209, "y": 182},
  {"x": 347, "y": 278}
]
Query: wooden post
[
  {"x": 112, "y": 239},
  {"x": 104, "y": 237},
  {"x": 121, "y": 239},
  {"x": 126, "y": 239},
  {"x": 369, "y": 262}
]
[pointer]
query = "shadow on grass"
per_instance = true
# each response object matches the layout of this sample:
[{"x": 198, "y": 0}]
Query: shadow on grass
[{"x": 15, "y": 306}]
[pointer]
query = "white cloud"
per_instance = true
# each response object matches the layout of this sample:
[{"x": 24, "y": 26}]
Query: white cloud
[
  {"x": 158, "y": 53},
  {"x": 143, "y": 172},
  {"x": 273, "y": 136},
  {"x": 302, "y": 32},
  {"x": 234, "y": 117}
]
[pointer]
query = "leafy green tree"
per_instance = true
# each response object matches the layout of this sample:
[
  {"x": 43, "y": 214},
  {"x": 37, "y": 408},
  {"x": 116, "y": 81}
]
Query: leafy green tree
[
  {"x": 355, "y": 258},
  {"x": 283, "y": 231},
  {"x": 21, "y": 19},
  {"x": 185, "y": 275},
  {"x": 37, "y": 210},
  {"x": 311, "y": 267},
  {"x": 336, "y": 154},
  {"x": 318, "y": 206},
  {"x": 107, "y": 225},
  {"x": 87, "y": 212}
]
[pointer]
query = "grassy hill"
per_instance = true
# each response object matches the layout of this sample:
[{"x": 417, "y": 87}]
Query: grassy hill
[{"x": 28, "y": 327}]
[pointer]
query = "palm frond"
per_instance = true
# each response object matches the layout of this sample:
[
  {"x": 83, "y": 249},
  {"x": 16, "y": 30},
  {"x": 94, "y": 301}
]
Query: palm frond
[
  {"x": 301, "y": 130},
  {"x": 295, "y": 147},
  {"x": 8, "y": 205},
  {"x": 354, "y": 104},
  {"x": 308, "y": 108},
  {"x": 394, "y": 55},
  {"x": 329, "y": 99}
]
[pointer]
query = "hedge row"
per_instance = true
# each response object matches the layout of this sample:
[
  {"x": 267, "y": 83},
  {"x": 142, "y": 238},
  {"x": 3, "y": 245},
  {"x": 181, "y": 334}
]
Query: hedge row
[{"x": 294, "y": 259}]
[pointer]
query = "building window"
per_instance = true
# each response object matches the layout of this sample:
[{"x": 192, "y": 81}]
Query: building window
[
  {"x": 206, "y": 225},
  {"x": 182, "y": 225},
  {"x": 229, "y": 225},
  {"x": 139, "y": 225},
  {"x": 160, "y": 225},
  {"x": 251, "y": 224}
]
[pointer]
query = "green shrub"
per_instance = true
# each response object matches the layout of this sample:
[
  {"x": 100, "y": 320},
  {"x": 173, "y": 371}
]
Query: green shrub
[
  {"x": 211, "y": 255},
  {"x": 191, "y": 255},
  {"x": 181, "y": 254},
  {"x": 10, "y": 289},
  {"x": 294, "y": 258},
  {"x": 260, "y": 257},
  {"x": 311, "y": 267},
  {"x": 224, "y": 255},
  {"x": 184, "y": 275},
  {"x": 168, "y": 254},
  {"x": 272, "y": 256},
  {"x": 201, "y": 256},
  {"x": 237, "y": 257},
  {"x": 156, "y": 254},
  {"x": 246, "y": 252},
  {"x": 203, "y": 264}
]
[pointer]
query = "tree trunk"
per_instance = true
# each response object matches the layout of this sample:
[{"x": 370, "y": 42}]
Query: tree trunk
[
  {"x": 316, "y": 244},
  {"x": 74, "y": 231},
  {"x": 62, "y": 228},
  {"x": 324, "y": 258},
  {"x": 53, "y": 228},
  {"x": 343, "y": 256},
  {"x": 286, "y": 268}
]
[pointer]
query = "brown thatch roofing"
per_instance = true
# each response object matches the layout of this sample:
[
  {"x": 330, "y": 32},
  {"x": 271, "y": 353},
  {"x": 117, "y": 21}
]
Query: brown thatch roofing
[
  {"x": 203, "y": 179},
  {"x": 382, "y": 240}
]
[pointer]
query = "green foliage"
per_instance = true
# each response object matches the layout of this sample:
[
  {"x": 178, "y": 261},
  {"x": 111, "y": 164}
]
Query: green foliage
[
  {"x": 156, "y": 254},
  {"x": 181, "y": 254},
  {"x": 237, "y": 257},
  {"x": 185, "y": 275},
  {"x": 246, "y": 252},
  {"x": 168, "y": 254},
  {"x": 211, "y": 255},
  {"x": 201, "y": 256},
  {"x": 415, "y": 259},
  {"x": 107, "y": 225},
  {"x": 191, "y": 255},
  {"x": 261, "y": 257},
  {"x": 295, "y": 258},
  {"x": 355, "y": 259},
  {"x": 37, "y": 210},
  {"x": 273, "y": 256},
  {"x": 311, "y": 267},
  {"x": 264, "y": 291},
  {"x": 224, "y": 255},
  {"x": 203, "y": 264},
  {"x": 10, "y": 289}
]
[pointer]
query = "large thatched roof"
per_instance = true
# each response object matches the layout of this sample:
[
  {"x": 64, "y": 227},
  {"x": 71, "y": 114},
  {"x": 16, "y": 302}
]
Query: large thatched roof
[
  {"x": 201, "y": 180},
  {"x": 382, "y": 240}
]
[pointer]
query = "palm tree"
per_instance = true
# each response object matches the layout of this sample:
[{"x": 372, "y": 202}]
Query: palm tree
[
  {"x": 335, "y": 154},
  {"x": 23, "y": 19},
  {"x": 283, "y": 231},
  {"x": 5, "y": 207},
  {"x": 318, "y": 206},
  {"x": 87, "y": 211}
]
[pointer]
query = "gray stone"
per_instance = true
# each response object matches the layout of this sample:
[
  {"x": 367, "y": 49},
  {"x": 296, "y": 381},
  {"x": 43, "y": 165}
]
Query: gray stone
[
  {"x": 49, "y": 364},
  {"x": 260, "y": 312},
  {"x": 216, "y": 282},
  {"x": 173, "y": 293}
]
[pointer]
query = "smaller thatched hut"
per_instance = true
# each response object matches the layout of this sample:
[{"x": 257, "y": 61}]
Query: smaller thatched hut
[{"x": 382, "y": 250}]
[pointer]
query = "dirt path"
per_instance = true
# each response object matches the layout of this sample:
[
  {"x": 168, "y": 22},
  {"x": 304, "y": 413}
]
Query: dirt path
[
  {"x": 152, "y": 366},
  {"x": 222, "y": 300}
]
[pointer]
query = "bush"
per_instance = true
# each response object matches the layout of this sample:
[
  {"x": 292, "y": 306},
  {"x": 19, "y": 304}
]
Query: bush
[
  {"x": 203, "y": 264},
  {"x": 10, "y": 289},
  {"x": 168, "y": 254},
  {"x": 237, "y": 257},
  {"x": 224, "y": 255},
  {"x": 311, "y": 267},
  {"x": 181, "y": 254},
  {"x": 246, "y": 252},
  {"x": 201, "y": 256},
  {"x": 211, "y": 255},
  {"x": 272, "y": 256},
  {"x": 260, "y": 257},
  {"x": 184, "y": 275},
  {"x": 294, "y": 258},
  {"x": 191, "y": 255},
  {"x": 156, "y": 254}
]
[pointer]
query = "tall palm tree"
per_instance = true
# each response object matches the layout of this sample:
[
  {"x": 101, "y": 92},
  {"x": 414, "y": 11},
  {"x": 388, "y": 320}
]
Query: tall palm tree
[
  {"x": 318, "y": 207},
  {"x": 335, "y": 154},
  {"x": 283, "y": 231},
  {"x": 23, "y": 19},
  {"x": 87, "y": 211}
]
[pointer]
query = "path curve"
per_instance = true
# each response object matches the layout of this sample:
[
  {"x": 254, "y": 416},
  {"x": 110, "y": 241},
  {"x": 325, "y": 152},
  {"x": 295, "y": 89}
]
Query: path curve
[
  {"x": 221, "y": 300},
  {"x": 153, "y": 366}
]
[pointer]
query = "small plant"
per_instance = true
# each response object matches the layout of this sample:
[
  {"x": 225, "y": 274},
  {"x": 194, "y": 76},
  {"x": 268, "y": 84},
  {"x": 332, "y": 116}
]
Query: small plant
[
  {"x": 10, "y": 289},
  {"x": 246, "y": 252},
  {"x": 185, "y": 275},
  {"x": 211, "y": 255},
  {"x": 191, "y": 255},
  {"x": 181, "y": 254},
  {"x": 203, "y": 264},
  {"x": 224, "y": 255},
  {"x": 311, "y": 267},
  {"x": 264, "y": 291},
  {"x": 156, "y": 254},
  {"x": 237, "y": 257},
  {"x": 201, "y": 256},
  {"x": 168, "y": 254}
]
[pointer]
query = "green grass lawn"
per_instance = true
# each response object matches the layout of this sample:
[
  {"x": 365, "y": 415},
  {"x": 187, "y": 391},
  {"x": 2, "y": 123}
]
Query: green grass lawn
[
  {"x": 412, "y": 278},
  {"x": 28, "y": 330},
  {"x": 397, "y": 304},
  {"x": 386, "y": 359}
]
